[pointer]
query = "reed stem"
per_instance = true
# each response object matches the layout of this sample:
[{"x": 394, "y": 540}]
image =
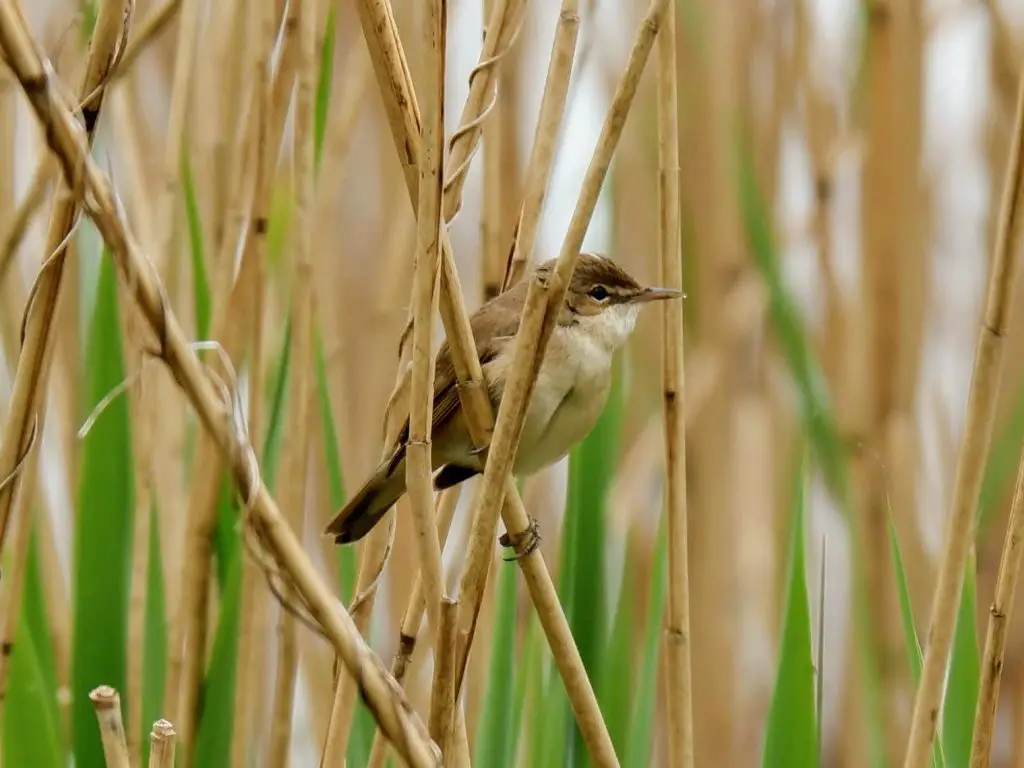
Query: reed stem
[
  {"x": 974, "y": 450},
  {"x": 679, "y": 684}
]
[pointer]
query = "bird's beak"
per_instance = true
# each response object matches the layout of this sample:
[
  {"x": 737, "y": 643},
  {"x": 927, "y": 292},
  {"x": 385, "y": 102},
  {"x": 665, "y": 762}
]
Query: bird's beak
[{"x": 657, "y": 294}]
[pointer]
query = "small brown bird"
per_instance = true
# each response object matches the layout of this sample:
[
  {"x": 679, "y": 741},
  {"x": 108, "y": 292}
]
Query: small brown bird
[{"x": 600, "y": 310}]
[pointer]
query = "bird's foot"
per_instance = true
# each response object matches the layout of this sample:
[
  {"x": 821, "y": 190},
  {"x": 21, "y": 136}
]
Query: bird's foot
[{"x": 524, "y": 543}]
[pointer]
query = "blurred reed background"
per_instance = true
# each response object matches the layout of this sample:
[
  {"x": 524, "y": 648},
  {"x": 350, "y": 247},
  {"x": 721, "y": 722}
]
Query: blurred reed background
[{"x": 841, "y": 170}]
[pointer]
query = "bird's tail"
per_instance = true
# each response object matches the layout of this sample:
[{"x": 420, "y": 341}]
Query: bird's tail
[{"x": 364, "y": 510}]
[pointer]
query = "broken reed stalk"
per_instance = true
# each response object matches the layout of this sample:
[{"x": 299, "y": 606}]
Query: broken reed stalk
[
  {"x": 974, "y": 449},
  {"x": 998, "y": 624},
  {"x": 413, "y": 616},
  {"x": 418, "y": 466},
  {"x": 679, "y": 684},
  {"x": 545, "y": 141},
  {"x": 379, "y": 690},
  {"x": 23, "y": 427},
  {"x": 108, "y": 712},
  {"x": 442, "y": 696},
  {"x": 161, "y": 745},
  {"x": 495, "y": 134},
  {"x": 300, "y": 388}
]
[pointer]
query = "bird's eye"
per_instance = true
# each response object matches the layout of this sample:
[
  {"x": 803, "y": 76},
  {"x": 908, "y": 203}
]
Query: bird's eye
[{"x": 599, "y": 292}]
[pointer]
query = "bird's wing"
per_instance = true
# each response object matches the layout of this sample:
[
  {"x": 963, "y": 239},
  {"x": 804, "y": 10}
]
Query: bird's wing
[{"x": 499, "y": 318}]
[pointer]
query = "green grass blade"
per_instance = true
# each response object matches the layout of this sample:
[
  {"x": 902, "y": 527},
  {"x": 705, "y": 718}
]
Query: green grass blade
[
  {"x": 323, "y": 90},
  {"x": 964, "y": 677},
  {"x": 792, "y": 732},
  {"x": 819, "y": 424},
  {"x": 154, "y": 659},
  {"x": 495, "y": 737},
  {"x": 33, "y": 611},
  {"x": 217, "y": 697},
  {"x": 819, "y": 421},
  {"x": 528, "y": 683},
  {"x": 639, "y": 744},
  {"x": 914, "y": 654},
  {"x": 31, "y": 737},
  {"x": 279, "y": 394},
  {"x": 616, "y": 678},
  {"x": 200, "y": 280},
  {"x": 103, "y": 535}
]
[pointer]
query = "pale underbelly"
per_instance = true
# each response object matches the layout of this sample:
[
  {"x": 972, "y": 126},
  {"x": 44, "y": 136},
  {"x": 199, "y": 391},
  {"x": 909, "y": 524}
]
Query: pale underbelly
[{"x": 551, "y": 430}]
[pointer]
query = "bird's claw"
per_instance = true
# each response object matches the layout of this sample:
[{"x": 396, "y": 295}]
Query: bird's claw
[{"x": 524, "y": 543}]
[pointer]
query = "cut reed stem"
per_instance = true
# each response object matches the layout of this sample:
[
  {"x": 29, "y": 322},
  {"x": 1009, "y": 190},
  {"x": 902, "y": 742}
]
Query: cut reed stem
[
  {"x": 974, "y": 450},
  {"x": 161, "y": 745},
  {"x": 679, "y": 685},
  {"x": 379, "y": 690},
  {"x": 108, "y": 712}
]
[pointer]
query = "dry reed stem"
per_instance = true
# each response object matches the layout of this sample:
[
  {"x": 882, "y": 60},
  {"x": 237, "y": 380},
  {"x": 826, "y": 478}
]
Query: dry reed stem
[
  {"x": 14, "y": 581},
  {"x": 543, "y": 303},
  {"x": 545, "y": 140},
  {"x": 148, "y": 30},
  {"x": 974, "y": 449},
  {"x": 108, "y": 712},
  {"x": 679, "y": 684},
  {"x": 300, "y": 389},
  {"x": 220, "y": 102},
  {"x": 492, "y": 209},
  {"x": 998, "y": 624},
  {"x": 27, "y": 412},
  {"x": 447, "y": 500},
  {"x": 421, "y": 398},
  {"x": 181, "y": 96},
  {"x": 250, "y": 680},
  {"x": 502, "y": 27},
  {"x": 442, "y": 700},
  {"x": 380, "y": 691},
  {"x": 161, "y": 745},
  {"x": 251, "y": 676}
]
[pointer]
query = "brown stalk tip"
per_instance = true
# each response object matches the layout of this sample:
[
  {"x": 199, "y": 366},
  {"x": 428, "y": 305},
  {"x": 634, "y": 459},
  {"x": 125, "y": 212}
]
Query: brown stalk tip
[
  {"x": 163, "y": 730},
  {"x": 104, "y": 697}
]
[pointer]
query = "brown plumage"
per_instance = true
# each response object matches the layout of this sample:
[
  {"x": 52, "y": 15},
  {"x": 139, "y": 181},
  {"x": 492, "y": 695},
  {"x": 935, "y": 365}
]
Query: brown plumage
[{"x": 597, "y": 285}]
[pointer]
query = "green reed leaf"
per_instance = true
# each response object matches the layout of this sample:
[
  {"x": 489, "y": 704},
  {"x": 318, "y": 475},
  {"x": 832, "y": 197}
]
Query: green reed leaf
[
  {"x": 964, "y": 678},
  {"x": 103, "y": 531},
  {"x": 495, "y": 737},
  {"x": 792, "y": 731}
]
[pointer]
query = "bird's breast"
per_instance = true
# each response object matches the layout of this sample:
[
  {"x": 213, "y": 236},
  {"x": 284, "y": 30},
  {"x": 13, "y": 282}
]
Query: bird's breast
[{"x": 571, "y": 392}]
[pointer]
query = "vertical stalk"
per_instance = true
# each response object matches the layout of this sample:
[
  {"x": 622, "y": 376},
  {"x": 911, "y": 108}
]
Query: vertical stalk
[
  {"x": 974, "y": 450},
  {"x": 678, "y": 685},
  {"x": 304, "y": 14}
]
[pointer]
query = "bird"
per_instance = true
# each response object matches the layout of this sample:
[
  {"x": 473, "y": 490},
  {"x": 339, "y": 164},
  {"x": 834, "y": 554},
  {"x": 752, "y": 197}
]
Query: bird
[{"x": 597, "y": 316}]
